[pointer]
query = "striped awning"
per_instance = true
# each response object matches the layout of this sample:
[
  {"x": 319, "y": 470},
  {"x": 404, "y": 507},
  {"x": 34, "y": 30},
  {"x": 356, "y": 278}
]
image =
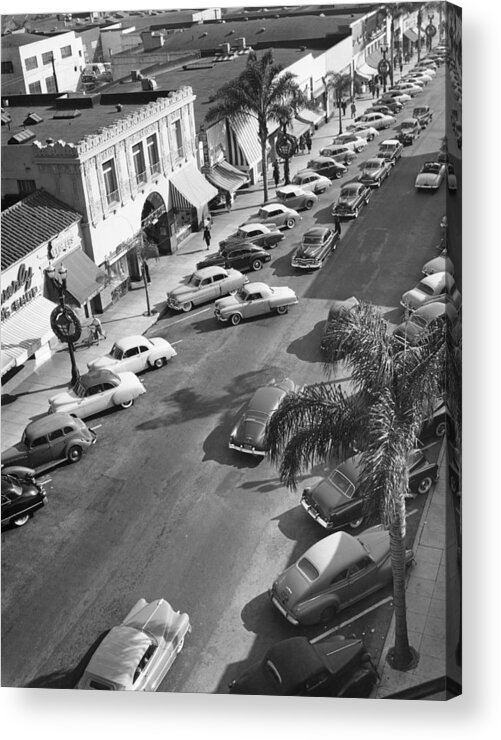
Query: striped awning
[
  {"x": 190, "y": 188},
  {"x": 226, "y": 177},
  {"x": 25, "y": 332},
  {"x": 313, "y": 117},
  {"x": 297, "y": 127},
  {"x": 411, "y": 35},
  {"x": 246, "y": 133},
  {"x": 84, "y": 278}
]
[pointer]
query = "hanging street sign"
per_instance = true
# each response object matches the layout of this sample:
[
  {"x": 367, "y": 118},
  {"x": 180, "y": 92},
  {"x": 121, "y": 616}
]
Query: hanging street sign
[
  {"x": 285, "y": 145},
  {"x": 65, "y": 324}
]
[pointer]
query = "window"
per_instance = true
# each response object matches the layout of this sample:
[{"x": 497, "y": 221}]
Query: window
[
  {"x": 47, "y": 57},
  {"x": 7, "y": 68},
  {"x": 139, "y": 165},
  {"x": 39, "y": 441},
  {"x": 110, "y": 182},
  {"x": 131, "y": 352},
  {"x": 153, "y": 158},
  {"x": 65, "y": 51},
  {"x": 178, "y": 138},
  {"x": 50, "y": 83},
  {"x": 31, "y": 63},
  {"x": 24, "y": 187},
  {"x": 56, "y": 434},
  {"x": 35, "y": 87}
]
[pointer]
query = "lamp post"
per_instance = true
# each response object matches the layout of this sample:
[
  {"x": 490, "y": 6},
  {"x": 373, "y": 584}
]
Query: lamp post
[
  {"x": 383, "y": 66},
  {"x": 65, "y": 321}
]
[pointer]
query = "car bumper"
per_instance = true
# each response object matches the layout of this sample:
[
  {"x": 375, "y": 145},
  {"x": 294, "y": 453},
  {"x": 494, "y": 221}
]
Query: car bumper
[
  {"x": 315, "y": 515},
  {"x": 283, "y": 611},
  {"x": 306, "y": 264},
  {"x": 219, "y": 317},
  {"x": 174, "y": 305},
  {"x": 248, "y": 449}
]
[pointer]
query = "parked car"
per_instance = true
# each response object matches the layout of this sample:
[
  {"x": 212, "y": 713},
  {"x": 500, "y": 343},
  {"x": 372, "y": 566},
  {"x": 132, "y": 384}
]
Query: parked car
[
  {"x": 248, "y": 434},
  {"x": 420, "y": 78},
  {"x": 438, "y": 424},
  {"x": 240, "y": 256},
  {"x": 311, "y": 181},
  {"x": 49, "y": 441},
  {"x": 328, "y": 167},
  {"x": 135, "y": 353},
  {"x": 357, "y": 143},
  {"x": 452, "y": 183},
  {"x": 275, "y": 215},
  {"x": 375, "y": 170},
  {"x": 22, "y": 495},
  {"x": 352, "y": 197},
  {"x": 316, "y": 245},
  {"x": 395, "y": 96},
  {"x": 442, "y": 263},
  {"x": 393, "y": 103},
  {"x": 296, "y": 667},
  {"x": 391, "y": 150},
  {"x": 252, "y": 300},
  {"x": 262, "y": 235},
  {"x": 295, "y": 197},
  {"x": 203, "y": 286},
  {"x": 383, "y": 108},
  {"x": 137, "y": 654},
  {"x": 334, "y": 502},
  {"x": 430, "y": 176},
  {"x": 408, "y": 88},
  {"x": 334, "y": 573},
  {"x": 410, "y": 129},
  {"x": 339, "y": 152},
  {"x": 429, "y": 289},
  {"x": 377, "y": 120},
  {"x": 410, "y": 331},
  {"x": 335, "y": 309},
  {"x": 96, "y": 391},
  {"x": 366, "y": 132},
  {"x": 423, "y": 114}
]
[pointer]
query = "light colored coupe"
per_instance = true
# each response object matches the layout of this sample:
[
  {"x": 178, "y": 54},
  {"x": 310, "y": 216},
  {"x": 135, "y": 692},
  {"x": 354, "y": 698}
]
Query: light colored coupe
[
  {"x": 351, "y": 139},
  {"x": 138, "y": 653},
  {"x": 294, "y": 196},
  {"x": 430, "y": 289},
  {"x": 277, "y": 215},
  {"x": 409, "y": 331},
  {"x": 205, "y": 285},
  {"x": 262, "y": 235},
  {"x": 408, "y": 88},
  {"x": 366, "y": 132},
  {"x": 135, "y": 353},
  {"x": 430, "y": 176},
  {"x": 96, "y": 391},
  {"x": 311, "y": 181},
  {"x": 252, "y": 300},
  {"x": 442, "y": 263},
  {"x": 377, "y": 120}
]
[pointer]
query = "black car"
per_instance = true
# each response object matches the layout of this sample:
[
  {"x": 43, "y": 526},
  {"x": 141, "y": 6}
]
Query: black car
[
  {"x": 352, "y": 197},
  {"x": 393, "y": 105},
  {"x": 327, "y": 167},
  {"x": 242, "y": 256},
  {"x": 294, "y": 667},
  {"x": 316, "y": 245},
  {"x": 423, "y": 114},
  {"x": 337, "y": 308},
  {"x": 21, "y": 496}
]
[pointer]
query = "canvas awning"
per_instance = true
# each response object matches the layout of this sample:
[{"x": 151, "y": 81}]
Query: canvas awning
[
  {"x": 313, "y": 116},
  {"x": 297, "y": 128},
  {"x": 411, "y": 35},
  {"x": 373, "y": 59},
  {"x": 190, "y": 188},
  {"x": 84, "y": 278},
  {"x": 246, "y": 134},
  {"x": 226, "y": 177},
  {"x": 365, "y": 71},
  {"x": 25, "y": 332}
]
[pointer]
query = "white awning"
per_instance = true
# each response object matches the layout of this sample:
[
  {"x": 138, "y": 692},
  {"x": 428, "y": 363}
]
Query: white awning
[
  {"x": 314, "y": 116},
  {"x": 190, "y": 188},
  {"x": 25, "y": 332},
  {"x": 297, "y": 128},
  {"x": 364, "y": 70}
]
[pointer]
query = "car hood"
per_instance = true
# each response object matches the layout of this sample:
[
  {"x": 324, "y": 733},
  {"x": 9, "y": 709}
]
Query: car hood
[
  {"x": 60, "y": 399},
  {"x": 14, "y": 454},
  {"x": 327, "y": 497},
  {"x": 415, "y": 298},
  {"x": 309, "y": 250},
  {"x": 158, "y": 618},
  {"x": 371, "y": 174},
  {"x": 347, "y": 200},
  {"x": 182, "y": 292},
  {"x": 228, "y": 301}
]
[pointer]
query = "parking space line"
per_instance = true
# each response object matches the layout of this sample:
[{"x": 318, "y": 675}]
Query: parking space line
[
  {"x": 179, "y": 321},
  {"x": 353, "y": 619}
]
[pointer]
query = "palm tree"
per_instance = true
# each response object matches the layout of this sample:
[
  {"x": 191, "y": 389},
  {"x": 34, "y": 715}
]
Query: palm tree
[
  {"x": 419, "y": 27},
  {"x": 263, "y": 91},
  {"x": 339, "y": 83},
  {"x": 395, "y": 389},
  {"x": 394, "y": 11}
]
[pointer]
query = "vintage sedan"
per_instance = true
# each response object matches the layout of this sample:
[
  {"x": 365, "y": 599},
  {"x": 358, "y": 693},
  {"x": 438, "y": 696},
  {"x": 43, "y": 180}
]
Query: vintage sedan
[
  {"x": 316, "y": 245},
  {"x": 442, "y": 263},
  {"x": 21, "y": 496},
  {"x": 252, "y": 300},
  {"x": 357, "y": 143},
  {"x": 377, "y": 120},
  {"x": 327, "y": 167},
  {"x": 295, "y": 197},
  {"x": 204, "y": 286},
  {"x": 409, "y": 332},
  {"x": 423, "y": 114},
  {"x": 96, "y": 391},
  {"x": 334, "y": 502},
  {"x": 277, "y": 215},
  {"x": 375, "y": 170},
  {"x": 135, "y": 353},
  {"x": 334, "y": 573},
  {"x": 248, "y": 434},
  {"x": 49, "y": 441},
  {"x": 382, "y": 108},
  {"x": 352, "y": 197},
  {"x": 261, "y": 235},
  {"x": 339, "y": 152},
  {"x": 410, "y": 128},
  {"x": 420, "y": 78},
  {"x": 366, "y": 132},
  {"x": 396, "y": 96},
  {"x": 408, "y": 88},
  {"x": 452, "y": 183},
  {"x": 240, "y": 256},
  {"x": 430, "y": 176},
  {"x": 429, "y": 289},
  {"x": 312, "y": 181},
  {"x": 296, "y": 667},
  {"x": 137, "y": 654},
  {"x": 393, "y": 104},
  {"x": 391, "y": 150}
]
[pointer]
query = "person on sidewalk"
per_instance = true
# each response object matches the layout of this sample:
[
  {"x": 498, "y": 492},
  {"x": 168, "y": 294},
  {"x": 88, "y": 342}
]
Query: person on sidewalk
[
  {"x": 307, "y": 139},
  {"x": 353, "y": 109},
  {"x": 344, "y": 105},
  {"x": 301, "y": 144},
  {"x": 276, "y": 173},
  {"x": 229, "y": 200},
  {"x": 377, "y": 90},
  {"x": 207, "y": 236},
  {"x": 97, "y": 329}
]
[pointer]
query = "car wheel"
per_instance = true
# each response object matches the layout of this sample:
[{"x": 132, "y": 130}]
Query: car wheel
[
  {"x": 127, "y": 404},
  {"x": 328, "y": 614},
  {"x": 281, "y": 310},
  {"x": 272, "y": 245},
  {"x": 74, "y": 454},
  {"x": 308, "y": 205},
  {"x": 338, "y": 174},
  {"x": 356, "y": 523},
  {"x": 441, "y": 429},
  {"x": 290, "y": 223},
  {"x": 359, "y": 149},
  {"x": 256, "y": 264},
  {"x": 21, "y": 520},
  {"x": 187, "y": 306},
  {"x": 425, "y": 484},
  {"x": 453, "y": 483},
  {"x": 370, "y": 137},
  {"x": 235, "y": 319},
  {"x": 160, "y": 362}
]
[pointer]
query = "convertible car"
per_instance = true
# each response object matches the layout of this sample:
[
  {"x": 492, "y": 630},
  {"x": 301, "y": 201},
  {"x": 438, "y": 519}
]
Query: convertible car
[
  {"x": 138, "y": 653},
  {"x": 259, "y": 234},
  {"x": 203, "y": 286},
  {"x": 21, "y": 496},
  {"x": 352, "y": 197},
  {"x": 334, "y": 573},
  {"x": 316, "y": 245},
  {"x": 97, "y": 391},
  {"x": 254, "y": 299},
  {"x": 135, "y": 353},
  {"x": 249, "y": 431},
  {"x": 410, "y": 331},
  {"x": 430, "y": 176}
]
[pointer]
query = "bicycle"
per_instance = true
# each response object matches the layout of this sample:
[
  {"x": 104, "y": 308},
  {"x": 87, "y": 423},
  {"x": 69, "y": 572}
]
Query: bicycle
[{"x": 93, "y": 336}]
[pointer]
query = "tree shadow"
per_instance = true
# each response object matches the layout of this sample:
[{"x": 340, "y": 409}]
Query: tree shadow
[{"x": 307, "y": 347}]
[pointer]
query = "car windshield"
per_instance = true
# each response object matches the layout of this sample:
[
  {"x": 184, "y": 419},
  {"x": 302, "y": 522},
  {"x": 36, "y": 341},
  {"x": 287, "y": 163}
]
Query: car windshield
[
  {"x": 195, "y": 280},
  {"x": 79, "y": 389},
  {"x": 308, "y": 569},
  {"x": 431, "y": 167},
  {"x": 263, "y": 213},
  {"x": 242, "y": 294},
  {"x": 419, "y": 321},
  {"x": 386, "y": 148},
  {"x": 424, "y": 288},
  {"x": 372, "y": 165},
  {"x": 349, "y": 192},
  {"x": 312, "y": 239},
  {"x": 342, "y": 483},
  {"x": 116, "y": 353},
  {"x": 241, "y": 232},
  {"x": 408, "y": 124}
]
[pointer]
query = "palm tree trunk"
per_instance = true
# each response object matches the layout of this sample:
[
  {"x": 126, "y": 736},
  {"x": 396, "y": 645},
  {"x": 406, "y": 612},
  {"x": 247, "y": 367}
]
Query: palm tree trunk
[
  {"x": 392, "y": 50},
  {"x": 401, "y": 657},
  {"x": 419, "y": 22},
  {"x": 339, "y": 107},
  {"x": 264, "y": 165}
]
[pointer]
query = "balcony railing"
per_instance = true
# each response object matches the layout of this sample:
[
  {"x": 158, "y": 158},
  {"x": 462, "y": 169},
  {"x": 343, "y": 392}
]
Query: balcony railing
[
  {"x": 154, "y": 169},
  {"x": 141, "y": 177},
  {"x": 113, "y": 197}
]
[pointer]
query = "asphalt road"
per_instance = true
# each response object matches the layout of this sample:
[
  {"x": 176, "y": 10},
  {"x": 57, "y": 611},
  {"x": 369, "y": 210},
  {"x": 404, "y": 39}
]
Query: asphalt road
[{"x": 160, "y": 507}]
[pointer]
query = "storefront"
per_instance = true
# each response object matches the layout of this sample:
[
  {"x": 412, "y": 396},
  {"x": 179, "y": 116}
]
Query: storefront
[{"x": 190, "y": 195}]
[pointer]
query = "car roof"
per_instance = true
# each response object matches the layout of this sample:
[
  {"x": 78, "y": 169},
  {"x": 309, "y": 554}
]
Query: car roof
[
  {"x": 49, "y": 423},
  {"x": 210, "y": 271},
  {"x": 289, "y": 189},
  {"x": 255, "y": 286},
  {"x": 250, "y": 227},
  {"x": 379, "y": 160},
  {"x": 322, "y": 160},
  {"x": 316, "y": 231},
  {"x": 266, "y": 398},
  {"x": 132, "y": 340},
  {"x": 430, "y": 311},
  {"x": 271, "y": 206},
  {"x": 335, "y": 552},
  {"x": 97, "y": 375},
  {"x": 118, "y": 656},
  {"x": 409, "y": 120},
  {"x": 393, "y": 142},
  {"x": 437, "y": 279},
  {"x": 350, "y": 468},
  {"x": 297, "y": 661}
]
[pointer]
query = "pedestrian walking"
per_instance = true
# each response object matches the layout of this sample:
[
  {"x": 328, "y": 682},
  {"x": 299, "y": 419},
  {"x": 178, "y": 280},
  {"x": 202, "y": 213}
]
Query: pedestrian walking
[
  {"x": 377, "y": 90},
  {"x": 207, "y": 236},
  {"x": 229, "y": 200},
  {"x": 337, "y": 224},
  {"x": 344, "y": 105},
  {"x": 401, "y": 65},
  {"x": 97, "y": 329},
  {"x": 353, "y": 109},
  {"x": 301, "y": 144},
  {"x": 208, "y": 221},
  {"x": 372, "y": 89},
  {"x": 276, "y": 173},
  {"x": 307, "y": 139}
]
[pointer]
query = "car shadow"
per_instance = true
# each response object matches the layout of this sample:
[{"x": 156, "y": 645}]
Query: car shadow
[
  {"x": 216, "y": 447},
  {"x": 282, "y": 267},
  {"x": 307, "y": 347},
  {"x": 260, "y": 617}
]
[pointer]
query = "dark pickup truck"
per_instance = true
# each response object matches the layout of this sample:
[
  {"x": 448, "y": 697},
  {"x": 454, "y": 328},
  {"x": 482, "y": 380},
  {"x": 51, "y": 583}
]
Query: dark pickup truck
[{"x": 423, "y": 114}]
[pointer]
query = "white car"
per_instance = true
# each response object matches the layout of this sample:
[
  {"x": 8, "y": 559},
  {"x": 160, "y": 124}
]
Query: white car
[
  {"x": 97, "y": 391},
  {"x": 377, "y": 120},
  {"x": 275, "y": 213},
  {"x": 430, "y": 289},
  {"x": 408, "y": 88},
  {"x": 418, "y": 76},
  {"x": 395, "y": 95},
  {"x": 137, "y": 654},
  {"x": 135, "y": 353},
  {"x": 351, "y": 139},
  {"x": 366, "y": 132},
  {"x": 311, "y": 181},
  {"x": 253, "y": 300},
  {"x": 442, "y": 263},
  {"x": 430, "y": 176}
]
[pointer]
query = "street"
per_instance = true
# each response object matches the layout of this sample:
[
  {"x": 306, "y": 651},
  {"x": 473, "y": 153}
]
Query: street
[{"x": 160, "y": 507}]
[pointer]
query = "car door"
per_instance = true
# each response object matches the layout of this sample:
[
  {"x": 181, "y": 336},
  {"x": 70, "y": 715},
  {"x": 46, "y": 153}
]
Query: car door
[
  {"x": 57, "y": 440},
  {"x": 239, "y": 259},
  {"x": 131, "y": 361},
  {"x": 255, "y": 305},
  {"x": 361, "y": 578},
  {"x": 39, "y": 452},
  {"x": 276, "y": 216},
  {"x": 207, "y": 291},
  {"x": 92, "y": 402}
]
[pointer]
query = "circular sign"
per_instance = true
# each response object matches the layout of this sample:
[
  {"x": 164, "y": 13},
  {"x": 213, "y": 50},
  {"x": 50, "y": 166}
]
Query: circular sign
[
  {"x": 65, "y": 324},
  {"x": 430, "y": 30},
  {"x": 383, "y": 67},
  {"x": 285, "y": 145}
]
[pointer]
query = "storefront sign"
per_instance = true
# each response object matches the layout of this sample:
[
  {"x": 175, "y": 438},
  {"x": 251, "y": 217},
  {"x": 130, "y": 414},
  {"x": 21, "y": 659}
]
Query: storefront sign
[
  {"x": 22, "y": 282},
  {"x": 19, "y": 302},
  {"x": 62, "y": 244}
]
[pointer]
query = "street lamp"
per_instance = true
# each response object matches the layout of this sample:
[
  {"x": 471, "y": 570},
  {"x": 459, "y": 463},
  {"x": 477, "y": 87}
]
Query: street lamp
[
  {"x": 384, "y": 65},
  {"x": 64, "y": 318}
]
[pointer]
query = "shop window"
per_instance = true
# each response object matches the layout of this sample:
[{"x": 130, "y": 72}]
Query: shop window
[
  {"x": 153, "y": 158},
  {"x": 65, "y": 51},
  {"x": 110, "y": 182},
  {"x": 139, "y": 165},
  {"x": 35, "y": 87},
  {"x": 47, "y": 57},
  {"x": 31, "y": 63}
]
